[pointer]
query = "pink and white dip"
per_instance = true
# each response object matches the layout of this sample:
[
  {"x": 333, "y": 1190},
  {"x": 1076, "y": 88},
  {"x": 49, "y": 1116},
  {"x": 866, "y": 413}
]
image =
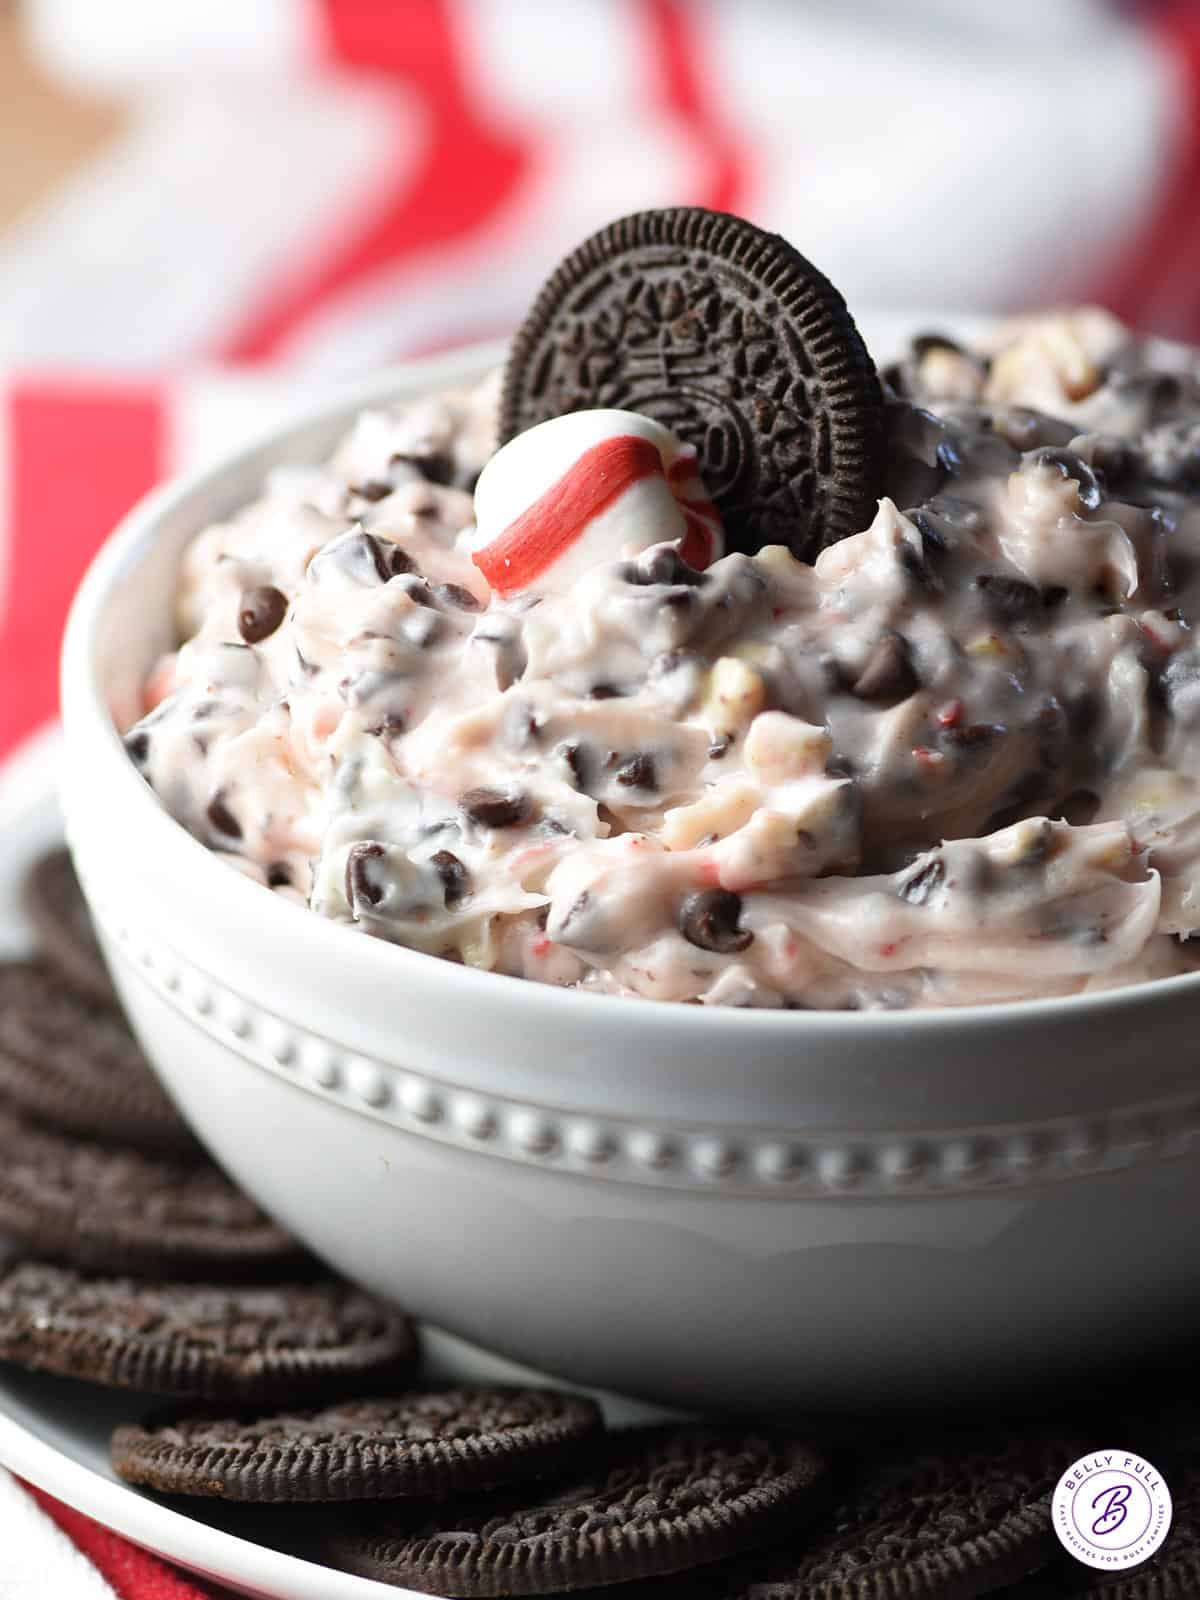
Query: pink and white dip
[{"x": 551, "y": 731}]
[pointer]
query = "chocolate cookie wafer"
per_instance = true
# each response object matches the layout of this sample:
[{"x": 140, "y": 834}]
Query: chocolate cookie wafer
[
  {"x": 72, "y": 1064},
  {"x": 427, "y": 1443},
  {"x": 652, "y": 1501},
  {"x": 959, "y": 1518},
  {"x": 112, "y": 1209},
  {"x": 727, "y": 335},
  {"x": 233, "y": 1344},
  {"x": 62, "y": 926}
]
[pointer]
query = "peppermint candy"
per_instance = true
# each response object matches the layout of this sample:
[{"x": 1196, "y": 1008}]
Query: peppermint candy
[{"x": 586, "y": 488}]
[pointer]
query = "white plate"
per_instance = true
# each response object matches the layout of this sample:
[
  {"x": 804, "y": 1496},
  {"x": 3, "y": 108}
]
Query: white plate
[{"x": 54, "y": 1432}]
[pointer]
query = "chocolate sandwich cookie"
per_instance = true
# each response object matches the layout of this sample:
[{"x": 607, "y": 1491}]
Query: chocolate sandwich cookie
[
  {"x": 961, "y": 1518},
  {"x": 652, "y": 1501},
  {"x": 62, "y": 926},
  {"x": 71, "y": 1063},
  {"x": 241, "y": 1345},
  {"x": 112, "y": 1209},
  {"x": 728, "y": 336},
  {"x": 427, "y": 1444}
]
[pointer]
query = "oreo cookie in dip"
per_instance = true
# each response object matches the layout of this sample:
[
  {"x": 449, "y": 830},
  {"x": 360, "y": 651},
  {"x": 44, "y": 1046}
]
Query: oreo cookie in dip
[{"x": 608, "y": 724}]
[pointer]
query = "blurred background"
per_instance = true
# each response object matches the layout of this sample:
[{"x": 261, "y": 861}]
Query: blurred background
[{"x": 208, "y": 210}]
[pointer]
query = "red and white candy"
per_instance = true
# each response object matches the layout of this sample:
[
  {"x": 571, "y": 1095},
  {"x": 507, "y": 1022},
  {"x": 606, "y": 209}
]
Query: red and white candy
[{"x": 587, "y": 488}]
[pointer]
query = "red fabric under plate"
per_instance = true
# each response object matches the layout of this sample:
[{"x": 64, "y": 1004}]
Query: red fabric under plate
[{"x": 132, "y": 1572}]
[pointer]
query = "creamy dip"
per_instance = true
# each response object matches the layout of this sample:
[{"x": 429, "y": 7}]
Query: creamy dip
[{"x": 954, "y": 760}]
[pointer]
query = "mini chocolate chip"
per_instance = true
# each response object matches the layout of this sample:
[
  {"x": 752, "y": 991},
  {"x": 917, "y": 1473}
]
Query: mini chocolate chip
[
  {"x": 638, "y": 772},
  {"x": 137, "y": 745},
  {"x": 919, "y": 885},
  {"x": 719, "y": 748},
  {"x": 374, "y": 489},
  {"x": 399, "y": 562},
  {"x": 260, "y": 611},
  {"x": 456, "y": 880},
  {"x": 1116, "y": 460},
  {"x": 923, "y": 343},
  {"x": 1162, "y": 392},
  {"x": 1017, "y": 799},
  {"x": 495, "y": 808},
  {"x": 709, "y": 920},
  {"x": 1008, "y": 599},
  {"x": 973, "y": 453},
  {"x": 1075, "y": 469},
  {"x": 387, "y": 559},
  {"x": 435, "y": 467},
  {"x": 664, "y": 565},
  {"x": 375, "y": 551},
  {"x": 1080, "y": 807},
  {"x": 359, "y": 886},
  {"x": 454, "y": 594},
  {"x": 1083, "y": 712},
  {"x": 222, "y": 819},
  {"x": 888, "y": 671},
  {"x": 917, "y": 567},
  {"x": 604, "y": 691},
  {"x": 973, "y": 733},
  {"x": 279, "y": 874},
  {"x": 833, "y": 675},
  {"x": 416, "y": 588},
  {"x": 1026, "y": 429},
  {"x": 573, "y": 756}
]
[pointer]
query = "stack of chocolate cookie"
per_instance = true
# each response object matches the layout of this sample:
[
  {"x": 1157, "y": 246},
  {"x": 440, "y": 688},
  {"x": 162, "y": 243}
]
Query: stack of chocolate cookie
[{"x": 145, "y": 1269}]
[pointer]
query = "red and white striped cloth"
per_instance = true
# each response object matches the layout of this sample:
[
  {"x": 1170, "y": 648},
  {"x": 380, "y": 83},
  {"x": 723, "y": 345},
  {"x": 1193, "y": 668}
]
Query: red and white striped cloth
[
  {"x": 309, "y": 188},
  {"x": 313, "y": 187},
  {"x": 50, "y": 1552}
]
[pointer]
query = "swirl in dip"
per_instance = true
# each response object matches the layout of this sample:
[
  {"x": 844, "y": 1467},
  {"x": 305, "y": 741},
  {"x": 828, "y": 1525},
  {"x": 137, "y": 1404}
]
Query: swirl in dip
[{"x": 952, "y": 761}]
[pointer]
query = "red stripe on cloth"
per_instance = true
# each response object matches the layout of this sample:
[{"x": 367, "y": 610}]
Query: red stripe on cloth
[
  {"x": 676, "y": 30},
  {"x": 470, "y": 170},
  {"x": 1155, "y": 283},
  {"x": 81, "y": 453},
  {"x": 133, "y": 1573}
]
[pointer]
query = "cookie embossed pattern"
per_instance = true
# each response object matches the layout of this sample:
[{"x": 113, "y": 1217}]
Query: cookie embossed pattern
[
  {"x": 728, "y": 336},
  {"x": 674, "y": 1165}
]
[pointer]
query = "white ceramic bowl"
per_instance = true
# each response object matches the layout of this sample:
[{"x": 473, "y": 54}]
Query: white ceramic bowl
[{"x": 712, "y": 1208}]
